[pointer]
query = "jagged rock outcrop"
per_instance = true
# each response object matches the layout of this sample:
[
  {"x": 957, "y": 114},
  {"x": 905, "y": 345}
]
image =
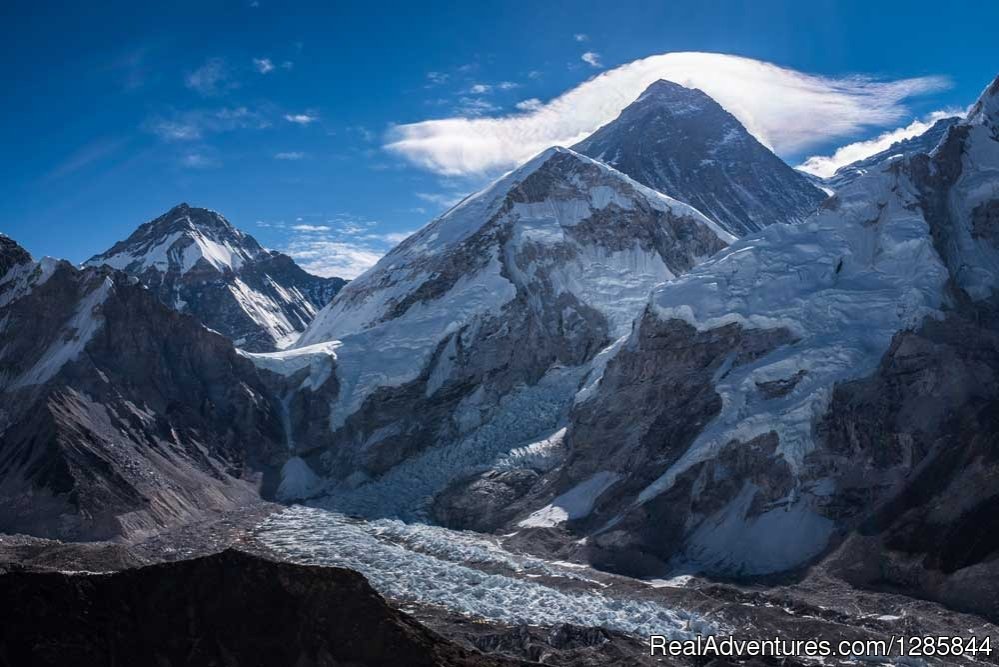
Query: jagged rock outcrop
[
  {"x": 682, "y": 143},
  {"x": 196, "y": 262},
  {"x": 230, "y": 608},
  {"x": 472, "y": 336},
  {"x": 119, "y": 416},
  {"x": 863, "y": 405}
]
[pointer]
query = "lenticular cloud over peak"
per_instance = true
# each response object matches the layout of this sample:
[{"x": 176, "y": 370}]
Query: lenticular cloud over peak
[{"x": 785, "y": 109}]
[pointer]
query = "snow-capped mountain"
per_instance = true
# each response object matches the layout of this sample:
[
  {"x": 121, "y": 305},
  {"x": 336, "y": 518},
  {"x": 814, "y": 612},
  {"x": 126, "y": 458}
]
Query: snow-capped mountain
[
  {"x": 810, "y": 380},
  {"x": 196, "y": 262},
  {"x": 472, "y": 336},
  {"x": 682, "y": 143},
  {"x": 923, "y": 143},
  {"x": 119, "y": 416}
]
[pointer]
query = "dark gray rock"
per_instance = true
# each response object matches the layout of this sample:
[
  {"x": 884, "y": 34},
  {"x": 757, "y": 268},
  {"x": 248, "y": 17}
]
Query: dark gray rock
[
  {"x": 230, "y": 608},
  {"x": 120, "y": 416},
  {"x": 682, "y": 143}
]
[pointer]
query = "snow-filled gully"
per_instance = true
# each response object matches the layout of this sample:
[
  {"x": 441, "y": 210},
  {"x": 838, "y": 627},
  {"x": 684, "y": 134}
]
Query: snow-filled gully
[{"x": 428, "y": 565}]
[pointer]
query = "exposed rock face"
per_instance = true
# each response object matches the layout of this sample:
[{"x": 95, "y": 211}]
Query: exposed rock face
[
  {"x": 920, "y": 439},
  {"x": 196, "y": 262},
  {"x": 923, "y": 143},
  {"x": 682, "y": 143},
  {"x": 227, "y": 609},
  {"x": 474, "y": 333},
  {"x": 118, "y": 415},
  {"x": 852, "y": 409}
]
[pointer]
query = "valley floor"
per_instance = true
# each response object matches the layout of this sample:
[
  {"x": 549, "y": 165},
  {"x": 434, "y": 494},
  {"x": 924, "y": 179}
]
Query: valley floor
[{"x": 473, "y": 590}]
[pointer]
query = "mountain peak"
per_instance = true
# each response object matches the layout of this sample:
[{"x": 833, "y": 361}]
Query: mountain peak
[
  {"x": 670, "y": 93},
  {"x": 11, "y": 254},
  {"x": 682, "y": 143},
  {"x": 179, "y": 240},
  {"x": 986, "y": 109}
]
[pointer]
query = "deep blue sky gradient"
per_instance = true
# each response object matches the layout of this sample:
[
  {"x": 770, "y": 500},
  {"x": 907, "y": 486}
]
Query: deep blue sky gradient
[{"x": 85, "y": 84}]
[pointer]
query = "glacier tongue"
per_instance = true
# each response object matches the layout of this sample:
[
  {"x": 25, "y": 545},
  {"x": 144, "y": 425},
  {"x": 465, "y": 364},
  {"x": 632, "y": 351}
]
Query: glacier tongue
[{"x": 435, "y": 566}]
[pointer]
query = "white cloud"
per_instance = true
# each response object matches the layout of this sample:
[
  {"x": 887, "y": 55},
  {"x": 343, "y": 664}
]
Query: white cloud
[
  {"x": 442, "y": 199},
  {"x": 507, "y": 85},
  {"x": 480, "y": 89},
  {"x": 475, "y": 106},
  {"x": 826, "y": 165},
  {"x": 199, "y": 161},
  {"x": 532, "y": 104},
  {"x": 175, "y": 130},
  {"x": 581, "y": 37},
  {"x": 436, "y": 79},
  {"x": 311, "y": 228},
  {"x": 210, "y": 79},
  {"x": 301, "y": 118},
  {"x": 191, "y": 125},
  {"x": 396, "y": 238},
  {"x": 263, "y": 65},
  {"x": 326, "y": 257},
  {"x": 346, "y": 245},
  {"x": 787, "y": 110},
  {"x": 591, "y": 58},
  {"x": 289, "y": 155}
]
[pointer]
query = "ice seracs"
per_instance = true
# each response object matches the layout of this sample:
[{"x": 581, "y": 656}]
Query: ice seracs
[
  {"x": 724, "y": 411},
  {"x": 196, "y": 262},
  {"x": 510, "y": 294}
]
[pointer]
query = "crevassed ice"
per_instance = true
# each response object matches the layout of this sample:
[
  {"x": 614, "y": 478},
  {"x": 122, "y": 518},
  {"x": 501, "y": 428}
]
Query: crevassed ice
[{"x": 428, "y": 573}]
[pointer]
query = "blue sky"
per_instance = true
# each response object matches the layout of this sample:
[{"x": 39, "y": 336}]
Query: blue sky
[{"x": 307, "y": 124}]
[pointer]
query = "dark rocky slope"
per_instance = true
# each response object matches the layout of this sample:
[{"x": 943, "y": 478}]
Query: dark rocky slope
[
  {"x": 682, "y": 143},
  {"x": 230, "y": 608},
  {"x": 119, "y": 416}
]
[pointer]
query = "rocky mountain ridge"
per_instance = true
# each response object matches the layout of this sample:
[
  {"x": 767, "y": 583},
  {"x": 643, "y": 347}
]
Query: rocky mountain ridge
[
  {"x": 807, "y": 384},
  {"x": 118, "y": 415},
  {"x": 198, "y": 263},
  {"x": 922, "y": 143},
  {"x": 504, "y": 300}
]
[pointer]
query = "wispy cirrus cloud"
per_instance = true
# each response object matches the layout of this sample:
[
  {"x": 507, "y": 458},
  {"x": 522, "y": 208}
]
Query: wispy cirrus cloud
[
  {"x": 306, "y": 118},
  {"x": 289, "y": 155},
  {"x": 441, "y": 199},
  {"x": 826, "y": 165},
  {"x": 343, "y": 245},
  {"x": 196, "y": 123},
  {"x": 263, "y": 65},
  {"x": 327, "y": 257},
  {"x": 532, "y": 104},
  {"x": 199, "y": 160},
  {"x": 211, "y": 79},
  {"x": 787, "y": 110},
  {"x": 591, "y": 58},
  {"x": 437, "y": 79}
]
